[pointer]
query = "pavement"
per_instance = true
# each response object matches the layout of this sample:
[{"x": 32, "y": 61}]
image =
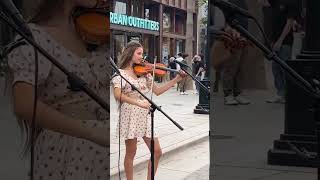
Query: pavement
[{"x": 242, "y": 137}]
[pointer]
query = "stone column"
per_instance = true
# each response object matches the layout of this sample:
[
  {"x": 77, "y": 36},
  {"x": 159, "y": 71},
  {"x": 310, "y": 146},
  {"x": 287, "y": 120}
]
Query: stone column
[{"x": 189, "y": 38}]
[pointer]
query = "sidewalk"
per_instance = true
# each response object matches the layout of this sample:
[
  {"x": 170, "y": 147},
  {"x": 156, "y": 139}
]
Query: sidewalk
[
  {"x": 179, "y": 108},
  {"x": 243, "y": 136}
]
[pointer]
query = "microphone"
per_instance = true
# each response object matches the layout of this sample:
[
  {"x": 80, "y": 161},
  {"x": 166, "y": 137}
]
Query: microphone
[
  {"x": 180, "y": 63},
  {"x": 231, "y": 9},
  {"x": 11, "y": 10}
]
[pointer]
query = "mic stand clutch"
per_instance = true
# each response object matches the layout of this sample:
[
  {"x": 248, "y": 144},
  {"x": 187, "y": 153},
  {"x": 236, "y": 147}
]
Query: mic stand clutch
[
  {"x": 76, "y": 83},
  {"x": 312, "y": 90},
  {"x": 153, "y": 108}
]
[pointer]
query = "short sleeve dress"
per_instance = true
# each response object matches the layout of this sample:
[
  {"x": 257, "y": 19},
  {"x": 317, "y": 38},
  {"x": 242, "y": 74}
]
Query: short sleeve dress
[
  {"x": 134, "y": 121},
  {"x": 56, "y": 155}
]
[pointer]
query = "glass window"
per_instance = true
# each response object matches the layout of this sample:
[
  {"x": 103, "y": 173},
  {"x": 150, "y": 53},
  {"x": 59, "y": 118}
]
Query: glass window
[
  {"x": 165, "y": 49},
  {"x": 120, "y": 7},
  {"x": 136, "y": 38},
  {"x": 151, "y": 11},
  {"x": 180, "y": 25},
  {"x": 136, "y": 8},
  {"x": 180, "y": 46},
  {"x": 119, "y": 43},
  {"x": 147, "y": 13},
  {"x": 166, "y": 22}
]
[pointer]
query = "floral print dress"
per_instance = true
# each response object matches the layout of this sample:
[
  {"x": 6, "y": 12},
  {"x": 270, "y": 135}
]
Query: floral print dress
[
  {"x": 58, "y": 156},
  {"x": 134, "y": 121}
]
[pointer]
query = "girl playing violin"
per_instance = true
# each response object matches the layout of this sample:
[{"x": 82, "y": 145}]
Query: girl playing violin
[
  {"x": 72, "y": 135},
  {"x": 134, "y": 121}
]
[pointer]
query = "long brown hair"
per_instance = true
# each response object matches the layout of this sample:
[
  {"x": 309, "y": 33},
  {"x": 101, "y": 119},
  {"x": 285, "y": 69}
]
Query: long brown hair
[{"x": 127, "y": 54}]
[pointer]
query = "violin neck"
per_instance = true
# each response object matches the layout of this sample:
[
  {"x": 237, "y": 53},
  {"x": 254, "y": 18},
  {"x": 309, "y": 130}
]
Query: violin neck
[{"x": 166, "y": 69}]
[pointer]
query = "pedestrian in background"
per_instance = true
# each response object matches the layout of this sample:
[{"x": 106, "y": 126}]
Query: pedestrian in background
[
  {"x": 233, "y": 69},
  {"x": 284, "y": 14},
  {"x": 183, "y": 83},
  {"x": 197, "y": 70},
  {"x": 172, "y": 65}
]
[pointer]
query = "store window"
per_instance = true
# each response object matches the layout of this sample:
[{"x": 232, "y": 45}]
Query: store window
[
  {"x": 179, "y": 46},
  {"x": 119, "y": 44},
  {"x": 120, "y": 6},
  {"x": 151, "y": 11},
  {"x": 165, "y": 49},
  {"x": 147, "y": 13},
  {"x": 180, "y": 27},
  {"x": 166, "y": 22},
  {"x": 136, "y": 8},
  {"x": 136, "y": 38}
]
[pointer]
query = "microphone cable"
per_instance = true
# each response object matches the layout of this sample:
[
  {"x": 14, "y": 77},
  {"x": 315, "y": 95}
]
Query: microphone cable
[
  {"x": 120, "y": 112},
  {"x": 33, "y": 124}
]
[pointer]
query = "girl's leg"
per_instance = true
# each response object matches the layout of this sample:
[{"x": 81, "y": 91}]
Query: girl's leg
[
  {"x": 157, "y": 154},
  {"x": 131, "y": 148}
]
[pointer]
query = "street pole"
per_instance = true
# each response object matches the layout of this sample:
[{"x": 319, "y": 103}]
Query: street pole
[
  {"x": 204, "y": 98},
  {"x": 209, "y": 42}
]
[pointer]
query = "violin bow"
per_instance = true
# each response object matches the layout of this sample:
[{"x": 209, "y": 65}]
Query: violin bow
[{"x": 153, "y": 76}]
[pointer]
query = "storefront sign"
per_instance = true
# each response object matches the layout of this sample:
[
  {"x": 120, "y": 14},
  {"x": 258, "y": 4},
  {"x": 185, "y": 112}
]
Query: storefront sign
[{"x": 122, "y": 19}]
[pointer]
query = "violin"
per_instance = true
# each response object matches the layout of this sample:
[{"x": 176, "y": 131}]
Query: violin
[
  {"x": 93, "y": 24},
  {"x": 145, "y": 68}
]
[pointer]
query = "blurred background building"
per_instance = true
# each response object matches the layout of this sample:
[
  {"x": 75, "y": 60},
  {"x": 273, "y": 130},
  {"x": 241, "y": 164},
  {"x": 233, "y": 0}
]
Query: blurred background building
[{"x": 176, "y": 22}]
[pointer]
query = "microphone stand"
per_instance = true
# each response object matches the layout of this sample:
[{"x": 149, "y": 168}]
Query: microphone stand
[
  {"x": 75, "y": 82},
  {"x": 153, "y": 108},
  {"x": 313, "y": 90}
]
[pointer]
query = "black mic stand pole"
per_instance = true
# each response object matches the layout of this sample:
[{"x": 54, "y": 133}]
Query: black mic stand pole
[
  {"x": 75, "y": 82},
  {"x": 152, "y": 110},
  {"x": 312, "y": 90}
]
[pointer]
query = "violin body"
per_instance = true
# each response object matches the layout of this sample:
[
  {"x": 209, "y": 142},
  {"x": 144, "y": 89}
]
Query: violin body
[
  {"x": 93, "y": 24},
  {"x": 145, "y": 68}
]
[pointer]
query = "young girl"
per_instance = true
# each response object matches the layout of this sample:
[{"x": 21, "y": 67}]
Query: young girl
[
  {"x": 134, "y": 120},
  {"x": 72, "y": 130}
]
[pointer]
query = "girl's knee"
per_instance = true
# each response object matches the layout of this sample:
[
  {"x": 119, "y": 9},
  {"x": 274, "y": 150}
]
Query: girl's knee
[{"x": 158, "y": 152}]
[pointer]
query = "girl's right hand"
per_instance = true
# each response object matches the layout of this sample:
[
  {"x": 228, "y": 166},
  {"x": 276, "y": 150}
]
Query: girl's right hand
[{"x": 143, "y": 104}]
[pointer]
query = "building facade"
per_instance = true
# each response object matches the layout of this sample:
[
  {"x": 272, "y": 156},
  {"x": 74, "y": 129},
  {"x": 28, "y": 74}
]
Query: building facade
[{"x": 163, "y": 27}]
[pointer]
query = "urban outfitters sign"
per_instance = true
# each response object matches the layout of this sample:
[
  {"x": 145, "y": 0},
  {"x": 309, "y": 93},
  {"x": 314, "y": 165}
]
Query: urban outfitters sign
[{"x": 122, "y": 19}]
